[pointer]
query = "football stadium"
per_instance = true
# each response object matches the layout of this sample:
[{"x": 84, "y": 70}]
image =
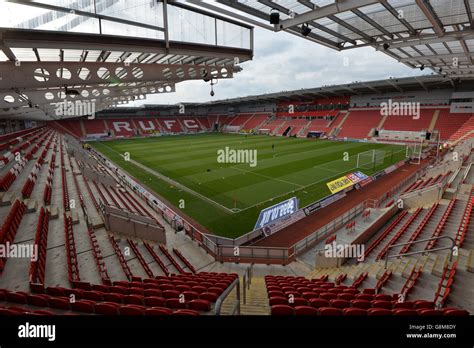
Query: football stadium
[{"x": 126, "y": 194}]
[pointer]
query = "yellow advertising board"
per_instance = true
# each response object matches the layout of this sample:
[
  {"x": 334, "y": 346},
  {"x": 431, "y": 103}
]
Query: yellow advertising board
[{"x": 339, "y": 184}]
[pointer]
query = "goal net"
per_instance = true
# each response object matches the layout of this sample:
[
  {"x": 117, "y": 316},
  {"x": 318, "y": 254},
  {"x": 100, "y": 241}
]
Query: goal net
[
  {"x": 414, "y": 152},
  {"x": 370, "y": 159}
]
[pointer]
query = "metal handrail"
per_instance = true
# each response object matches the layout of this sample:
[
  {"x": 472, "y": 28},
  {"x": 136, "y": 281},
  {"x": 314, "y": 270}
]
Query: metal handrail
[
  {"x": 387, "y": 256},
  {"x": 225, "y": 294}
]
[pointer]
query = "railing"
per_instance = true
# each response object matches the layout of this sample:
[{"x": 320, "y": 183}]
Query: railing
[
  {"x": 388, "y": 256},
  {"x": 247, "y": 281},
  {"x": 236, "y": 309},
  {"x": 324, "y": 231}
]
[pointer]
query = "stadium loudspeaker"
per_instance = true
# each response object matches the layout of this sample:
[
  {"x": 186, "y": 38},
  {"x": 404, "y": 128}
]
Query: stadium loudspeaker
[
  {"x": 274, "y": 18},
  {"x": 428, "y": 135}
]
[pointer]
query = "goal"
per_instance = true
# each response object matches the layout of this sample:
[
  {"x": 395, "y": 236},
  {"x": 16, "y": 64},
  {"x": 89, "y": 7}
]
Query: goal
[
  {"x": 370, "y": 159},
  {"x": 414, "y": 152}
]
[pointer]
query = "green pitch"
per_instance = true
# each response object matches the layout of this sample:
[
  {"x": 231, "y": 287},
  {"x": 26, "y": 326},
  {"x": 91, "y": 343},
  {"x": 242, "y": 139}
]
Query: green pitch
[{"x": 226, "y": 198}]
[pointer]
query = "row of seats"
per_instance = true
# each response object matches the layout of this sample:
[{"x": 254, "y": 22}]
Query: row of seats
[
  {"x": 48, "y": 188},
  {"x": 399, "y": 233},
  {"x": 289, "y": 295},
  {"x": 419, "y": 229},
  {"x": 410, "y": 282},
  {"x": 284, "y": 310},
  {"x": 446, "y": 283},
  {"x": 123, "y": 263},
  {"x": 157, "y": 259},
  {"x": 140, "y": 258},
  {"x": 439, "y": 228},
  {"x": 64, "y": 182},
  {"x": 171, "y": 258},
  {"x": 10, "y": 177},
  {"x": 38, "y": 266},
  {"x": 71, "y": 255},
  {"x": 385, "y": 233},
  {"x": 129, "y": 306},
  {"x": 465, "y": 221},
  {"x": 383, "y": 280},
  {"x": 10, "y": 227},
  {"x": 184, "y": 260},
  {"x": 99, "y": 259},
  {"x": 360, "y": 279}
]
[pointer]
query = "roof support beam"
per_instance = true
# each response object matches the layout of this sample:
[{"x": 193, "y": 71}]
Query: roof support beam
[
  {"x": 431, "y": 15},
  {"x": 423, "y": 39},
  {"x": 396, "y": 14},
  {"x": 325, "y": 11},
  {"x": 421, "y": 83},
  {"x": 468, "y": 12},
  {"x": 390, "y": 81},
  {"x": 438, "y": 56}
]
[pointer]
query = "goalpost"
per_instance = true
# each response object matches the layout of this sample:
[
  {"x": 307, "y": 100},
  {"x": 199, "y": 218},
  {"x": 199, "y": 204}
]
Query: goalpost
[
  {"x": 370, "y": 159},
  {"x": 414, "y": 152}
]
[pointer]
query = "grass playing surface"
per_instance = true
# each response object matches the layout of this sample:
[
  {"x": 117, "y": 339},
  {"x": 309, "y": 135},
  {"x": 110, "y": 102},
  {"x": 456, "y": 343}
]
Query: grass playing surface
[{"x": 227, "y": 198}]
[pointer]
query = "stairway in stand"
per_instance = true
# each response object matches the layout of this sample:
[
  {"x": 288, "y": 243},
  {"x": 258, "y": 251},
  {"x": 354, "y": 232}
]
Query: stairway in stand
[{"x": 256, "y": 299}]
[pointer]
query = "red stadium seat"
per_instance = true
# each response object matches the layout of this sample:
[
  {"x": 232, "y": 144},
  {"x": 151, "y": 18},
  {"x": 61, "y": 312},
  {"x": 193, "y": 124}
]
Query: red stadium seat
[
  {"x": 381, "y": 304},
  {"x": 428, "y": 312},
  {"x": 186, "y": 312},
  {"x": 341, "y": 304},
  {"x": 363, "y": 304},
  {"x": 383, "y": 297},
  {"x": 84, "y": 306},
  {"x": 106, "y": 308},
  {"x": 112, "y": 297},
  {"x": 329, "y": 311},
  {"x": 131, "y": 310},
  {"x": 199, "y": 305},
  {"x": 154, "y": 301},
  {"x": 328, "y": 296},
  {"x": 170, "y": 294},
  {"x": 305, "y": 310},
  {"x": 318, "y": 303},
  {"x": 354, "y": 311},
  {"x": 455, "y": 312},
  {"x": 133, "y": 299},
  {"x": 208, "y": 296},
  {"x": 37, "y": 300},
  {"x": 158, "y": 311},
  {"x": 59, "y": 303},
  {"x": 175, "y": 303},
  {"x": 405, "y": 305},
  {"x": 422, "y": 304},
  {"x": 379, "y": 312},
  {"x": 405, "y": 312},
  {"x": 282, "y": 310}
]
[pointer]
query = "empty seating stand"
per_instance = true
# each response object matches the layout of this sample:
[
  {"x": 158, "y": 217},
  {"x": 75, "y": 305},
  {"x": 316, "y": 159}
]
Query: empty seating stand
[
  {"x": 99, "y": 260},
  {"x": 38, "y": 267},
  {"x": 71, "y": 255},
  {"x": 186, "y": 294},
  {"x": 10, "y": 227},
  {"x": 289, "y": 295}
]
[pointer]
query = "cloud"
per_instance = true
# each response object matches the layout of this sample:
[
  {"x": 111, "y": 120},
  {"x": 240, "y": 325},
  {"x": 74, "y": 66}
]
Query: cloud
[{"x": 285, "y": 62}]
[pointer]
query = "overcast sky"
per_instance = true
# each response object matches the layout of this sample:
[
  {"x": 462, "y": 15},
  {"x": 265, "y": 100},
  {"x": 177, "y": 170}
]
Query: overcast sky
[{"x": 285, "y": 62}]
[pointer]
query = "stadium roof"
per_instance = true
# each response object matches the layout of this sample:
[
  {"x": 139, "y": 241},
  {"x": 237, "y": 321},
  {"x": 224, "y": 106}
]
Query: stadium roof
[
  {"x": 392, "y": 85},
  {"x": 436, "y": 34},
  {"x": 109, "y": 52}
]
